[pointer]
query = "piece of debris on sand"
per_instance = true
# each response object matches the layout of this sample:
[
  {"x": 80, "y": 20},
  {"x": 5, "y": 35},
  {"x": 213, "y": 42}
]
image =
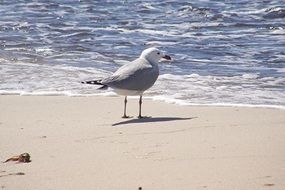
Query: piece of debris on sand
[{"x": 25, "y": 157}]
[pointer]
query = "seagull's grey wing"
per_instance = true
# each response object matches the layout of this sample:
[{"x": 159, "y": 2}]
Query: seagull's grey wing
[{"x": 138, "y": 75}]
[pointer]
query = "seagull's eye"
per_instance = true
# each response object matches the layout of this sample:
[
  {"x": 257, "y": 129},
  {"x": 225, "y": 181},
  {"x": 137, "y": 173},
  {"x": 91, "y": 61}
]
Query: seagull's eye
[{"x": 158, "y": 53}]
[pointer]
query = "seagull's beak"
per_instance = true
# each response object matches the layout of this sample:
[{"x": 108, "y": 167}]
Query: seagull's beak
[{"x": 167, "y": 57}]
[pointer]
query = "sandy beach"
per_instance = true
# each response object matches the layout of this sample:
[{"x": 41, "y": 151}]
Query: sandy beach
[{"x": 83, "y": 143}]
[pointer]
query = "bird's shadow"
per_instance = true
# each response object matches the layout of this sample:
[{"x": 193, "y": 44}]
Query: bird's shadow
[{"x": 152, "y": 119}]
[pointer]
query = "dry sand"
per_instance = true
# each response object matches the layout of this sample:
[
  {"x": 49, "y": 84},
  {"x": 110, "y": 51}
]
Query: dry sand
[{"x": 83, "y": 143}]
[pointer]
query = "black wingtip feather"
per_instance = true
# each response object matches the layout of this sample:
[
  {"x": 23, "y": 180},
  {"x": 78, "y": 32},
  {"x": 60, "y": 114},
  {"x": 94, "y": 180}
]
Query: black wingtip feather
[{"x": 96, "y": 82}]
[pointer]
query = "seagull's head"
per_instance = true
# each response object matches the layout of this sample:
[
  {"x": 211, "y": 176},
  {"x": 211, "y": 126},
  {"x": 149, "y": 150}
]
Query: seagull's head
[{"x": 154, "y": 55}]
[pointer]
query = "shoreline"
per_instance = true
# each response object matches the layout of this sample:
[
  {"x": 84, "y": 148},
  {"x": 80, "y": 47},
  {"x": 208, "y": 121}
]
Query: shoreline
[
  {"x": 83, "y": 143},
  {"x": 167, "y": 101}
]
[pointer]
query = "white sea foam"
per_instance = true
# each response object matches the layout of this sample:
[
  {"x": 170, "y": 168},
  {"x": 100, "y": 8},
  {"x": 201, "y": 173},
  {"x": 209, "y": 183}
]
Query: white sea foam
[
  {"x": 193, "y": 89},
  {"x": 221, "y": 104},
  {"x": 159, "y": 43},
  {"x": 250, "y": 76}
]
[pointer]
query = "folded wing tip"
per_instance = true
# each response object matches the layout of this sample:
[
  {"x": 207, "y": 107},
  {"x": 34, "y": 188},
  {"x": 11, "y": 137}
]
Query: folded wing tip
[{"x": 96, "y": 82}]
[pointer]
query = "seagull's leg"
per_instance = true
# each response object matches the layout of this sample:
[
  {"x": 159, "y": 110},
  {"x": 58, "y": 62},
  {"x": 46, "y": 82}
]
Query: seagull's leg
[
  {"x": 125, "y": 108},
  {"x": 140, "y": 107}
]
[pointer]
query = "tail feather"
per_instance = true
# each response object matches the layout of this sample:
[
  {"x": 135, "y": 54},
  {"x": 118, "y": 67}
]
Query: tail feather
[
  {"x": 96, "y": 82},
  {"x": 104, "y": 87}
]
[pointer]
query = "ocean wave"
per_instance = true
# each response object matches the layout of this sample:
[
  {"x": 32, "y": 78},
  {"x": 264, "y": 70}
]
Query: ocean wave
[{"x": 274, "y": 13}]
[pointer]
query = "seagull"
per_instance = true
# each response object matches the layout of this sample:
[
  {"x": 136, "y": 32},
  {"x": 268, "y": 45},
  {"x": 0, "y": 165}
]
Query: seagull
[{"x": 135, "y": 77}]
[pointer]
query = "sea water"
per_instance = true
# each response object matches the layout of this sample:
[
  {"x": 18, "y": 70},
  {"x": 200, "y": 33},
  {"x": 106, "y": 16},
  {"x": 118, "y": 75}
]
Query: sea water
[{"x": 224, "y": 52}]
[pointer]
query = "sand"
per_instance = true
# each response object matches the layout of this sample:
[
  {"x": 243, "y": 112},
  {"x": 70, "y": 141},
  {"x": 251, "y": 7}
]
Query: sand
[{"x": 83, "y": 143}]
